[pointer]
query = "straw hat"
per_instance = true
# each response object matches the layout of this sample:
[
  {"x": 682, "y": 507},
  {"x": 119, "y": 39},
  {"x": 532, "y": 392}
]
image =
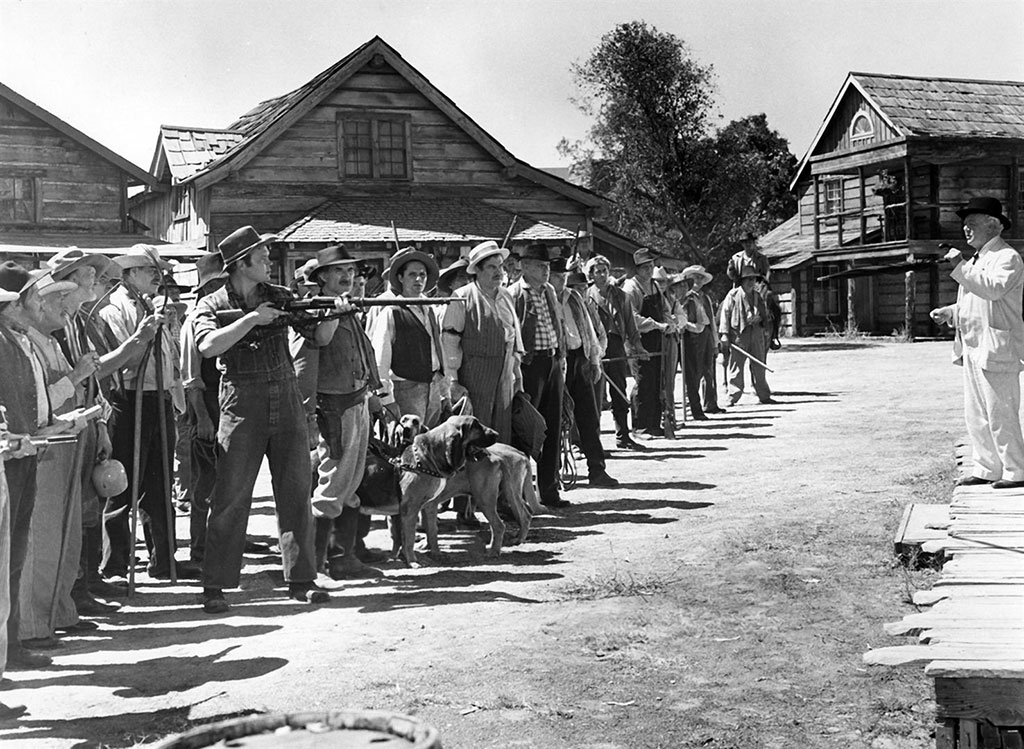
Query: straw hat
[{"x": 483, "y": 251}]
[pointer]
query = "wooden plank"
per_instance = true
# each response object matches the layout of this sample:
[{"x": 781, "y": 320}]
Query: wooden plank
[
  {"x": 1000, "y": 701},
  {"x": 902, "y": 655},
  {"x": 954, "y": 668},
  {"x": 968, "y": 734},
  {"x": 945, "y": 734}
]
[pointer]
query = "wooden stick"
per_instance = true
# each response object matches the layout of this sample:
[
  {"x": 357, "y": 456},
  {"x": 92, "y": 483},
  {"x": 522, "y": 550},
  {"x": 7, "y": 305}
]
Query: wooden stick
[
  {"x": 394, "y": 231},
  {"x": 752, "y": 358},
  {"x": 511, "y": 228}
]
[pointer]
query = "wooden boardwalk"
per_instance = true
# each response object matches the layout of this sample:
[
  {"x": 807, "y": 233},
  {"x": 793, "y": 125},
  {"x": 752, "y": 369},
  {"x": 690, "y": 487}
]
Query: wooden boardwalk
[{"x": 970, "y": 630}]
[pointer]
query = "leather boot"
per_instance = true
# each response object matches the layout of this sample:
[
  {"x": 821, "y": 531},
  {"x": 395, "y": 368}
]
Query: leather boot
[
  {"x": 347, "y": 566},
  {"x": 321, "y": 539}
]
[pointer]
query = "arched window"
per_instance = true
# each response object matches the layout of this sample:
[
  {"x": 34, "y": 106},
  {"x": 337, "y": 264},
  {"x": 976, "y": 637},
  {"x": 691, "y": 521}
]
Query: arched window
[{"x": 861, "y": 128}]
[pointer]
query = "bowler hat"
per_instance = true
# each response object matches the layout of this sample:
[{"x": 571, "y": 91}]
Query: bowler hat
[
  {"x": 142, "y": 256},
  {"x": 405, "y": 256},
  {"x": 70, "y": 259},
  {"x": 537, "y": 251},
  {"x": 241, "y": 242},
  {"x": 987, "y": 206},
  {"x": 643, "y": 255},
  {"x": 483, "y": 251},
  {"x": 209, "y": 267}
]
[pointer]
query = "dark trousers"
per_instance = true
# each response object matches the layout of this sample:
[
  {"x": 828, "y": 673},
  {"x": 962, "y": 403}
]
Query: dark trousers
[
  {"x": 542, "y": 382},
  {"x": 154, "y": 501},
  {"x": 203, "y": 475},
  {"x": 21, "y": 484},
  {"x": 260, "y": 419},
  {"x": 650, "y": 391},
  {"x": 585, "y": 412},
  {"x": 693, "y": 370},
  {"x": 707, "y": 352},
  {"x": 615, "y": 373}
]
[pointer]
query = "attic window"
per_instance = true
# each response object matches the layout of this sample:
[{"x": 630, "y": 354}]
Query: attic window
[
  {"x": 862, "y": 128},
  {"x": 372, "y": 146}
]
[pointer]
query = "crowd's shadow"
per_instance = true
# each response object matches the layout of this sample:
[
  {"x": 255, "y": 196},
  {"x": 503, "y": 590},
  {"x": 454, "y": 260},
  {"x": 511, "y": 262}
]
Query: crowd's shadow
[
  {"x": 627, "y": 504},
  {"x": 114, "y": 731},
  {"x": 829, "y": 346},
  {"x": 728, "y": 436},
  {"x": 398, "y": 600}
]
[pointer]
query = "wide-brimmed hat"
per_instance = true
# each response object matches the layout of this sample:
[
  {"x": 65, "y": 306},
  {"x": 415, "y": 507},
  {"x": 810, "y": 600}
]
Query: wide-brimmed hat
[
  {"x": 575, "y": 278},
  {"x": 483, "y": 251},
  {"x": 660, "y": 275},
  {"x": 209, "y": 268},
  {"x": 449, "y": 272},
  {"x": 142, "y": 256},
  {"x": 559, "y": 265},
  {"x": 328, "y": 257},
  {"x": 68, "y": 260},
  {"x": 643, "y": 255},
  {"x": 537, "y": 251},
  {"x": 697, "y": 273},
  {"x": 405, "y": 256},
  {"x": 303, "y": 273},
  {"x": 16, "y": 278},
  {"x": 241, "y": 242},
  {"x": 987, "y": 206}
]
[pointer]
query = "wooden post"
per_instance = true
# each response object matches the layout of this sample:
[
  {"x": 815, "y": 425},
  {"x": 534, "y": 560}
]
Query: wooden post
[
  {"x": 794, "y": 308},
  {"x": 817, "y": 210},
  {"x": 909, "y": 302},
  {"x": 851, "y": 307},
  {"x": 863, "y": 204},
  {"x": 908, "y": 209},
  {"x": 1013, "y": 204},
  {"x": 933, "y": 198},
  {"x": 839, "y": 217}
]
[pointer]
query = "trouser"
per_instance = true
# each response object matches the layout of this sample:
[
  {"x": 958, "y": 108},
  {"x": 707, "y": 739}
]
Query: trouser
[
  {"x": 344, "y": 435},
  {"x": 991, "y": 410},
  {"x": 203, "y": 474},
  {"x": 693, "y": 370},
  {"x": 543, "y": 383},
  {"x": 615, "y": 373},
  {"x": 92, "y": 503},
  {"x": 154, "y": 502},
  {"x": 5, "y": 565},
  {"x": 182, "y": 457},
  {"x": 649, "y": 393},
  {"x": 707, "y": 352},
  {"x": 420, "y": 398},
  {"x": 585, "y": 412},
  {"x": 55, "y": 543},
  {"x": 750, "y": 340},
  {"x": 259, "y": 419},
  {"x": 21, "y": 487}
]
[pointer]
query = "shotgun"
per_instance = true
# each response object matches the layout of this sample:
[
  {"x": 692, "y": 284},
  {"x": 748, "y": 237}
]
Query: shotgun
[{"x": 316, "y": 309}]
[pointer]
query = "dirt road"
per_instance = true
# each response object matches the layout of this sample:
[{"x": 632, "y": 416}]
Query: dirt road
[{"x": 722, "y": 596}]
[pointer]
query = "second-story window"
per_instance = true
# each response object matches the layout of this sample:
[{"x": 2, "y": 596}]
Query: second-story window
[
  {"x": 374, "y": 146},
  {"x": 18, "y": 200},
  {"x": 833, "y": 198}
]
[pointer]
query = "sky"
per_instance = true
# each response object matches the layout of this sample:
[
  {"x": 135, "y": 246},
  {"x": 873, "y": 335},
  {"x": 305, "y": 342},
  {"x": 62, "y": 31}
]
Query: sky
[{"x": 118, "y": 69}]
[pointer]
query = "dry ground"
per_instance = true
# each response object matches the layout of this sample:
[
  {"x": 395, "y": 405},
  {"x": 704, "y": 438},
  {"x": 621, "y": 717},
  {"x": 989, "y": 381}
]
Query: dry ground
[{"x": 721, "y": 597}]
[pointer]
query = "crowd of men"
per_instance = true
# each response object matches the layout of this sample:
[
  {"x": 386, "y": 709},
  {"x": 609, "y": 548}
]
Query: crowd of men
[{"x": 107, "y": 383}]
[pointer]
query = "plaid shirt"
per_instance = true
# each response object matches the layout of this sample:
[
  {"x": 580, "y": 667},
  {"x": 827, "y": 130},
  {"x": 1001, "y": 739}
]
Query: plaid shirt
[{"x": 545, "y": 338}]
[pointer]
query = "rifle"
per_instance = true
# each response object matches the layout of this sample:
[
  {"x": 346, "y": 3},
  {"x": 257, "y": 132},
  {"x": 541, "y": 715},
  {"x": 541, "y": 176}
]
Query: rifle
[
  {"x": 511, "y": 228},
  {"x": 319, "y": 308}
]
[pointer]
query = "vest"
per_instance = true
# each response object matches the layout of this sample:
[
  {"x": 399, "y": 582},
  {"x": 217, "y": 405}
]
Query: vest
[
  {"x": 342, "y": 366},
  {"x": 410, "y": 351},
  {"x": 17, "y": 386},
  {"x": 484, "y": 335}
]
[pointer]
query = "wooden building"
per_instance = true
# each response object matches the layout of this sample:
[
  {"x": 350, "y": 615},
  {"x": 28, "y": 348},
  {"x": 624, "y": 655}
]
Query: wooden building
[
  {"x": 367, "y": 143},
  {"x": 892, "y": 161},
  {"x": 59, "y": 187}
]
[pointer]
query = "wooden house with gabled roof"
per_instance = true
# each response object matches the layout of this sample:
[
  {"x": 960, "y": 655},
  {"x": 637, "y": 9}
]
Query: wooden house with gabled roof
[
  {"x": 59, "y": 187},
  {"x": 366, "y": 143},
  {"x": 878, "y": 189}
]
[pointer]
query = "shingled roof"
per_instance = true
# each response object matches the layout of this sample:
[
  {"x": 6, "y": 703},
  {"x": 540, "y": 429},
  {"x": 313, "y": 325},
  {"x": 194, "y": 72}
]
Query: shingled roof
[
  {"x": 947, "y": 106},
  {"x": 419, "y": 220},
  {"x": 189, "y": 150}
]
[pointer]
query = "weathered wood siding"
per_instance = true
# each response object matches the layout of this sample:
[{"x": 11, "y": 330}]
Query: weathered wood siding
[
  {"x": 837, "y": 135},
  {"x": 78, "y": 189},
  {"x": 159, "y": 212}
]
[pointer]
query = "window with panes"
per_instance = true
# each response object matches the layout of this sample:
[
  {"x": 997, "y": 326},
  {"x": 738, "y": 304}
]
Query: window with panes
[
  {"x": 17, "y": 200},
  {"x": 374, "y": 147}
]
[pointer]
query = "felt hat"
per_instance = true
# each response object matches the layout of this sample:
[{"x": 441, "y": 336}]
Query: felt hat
[
  {"x": 559, "y": 265},
  {"x": 643, "y": 255},
  {"x": 483, "y": 251},
  {"x": 303, "y": 272},
  {"x": 987, "y": 206},
  {"x": 241, "y": 242},
  {"x": 575, "y": 278},
  {"x": 142, "y": 256},
  {"x": 16, "y": 278},
  {"x": 405, "y": 256},
  {"x": 661, "y": 275},
  {"x": 329, "y": 256},
  {"x": 697, "y": 273},
  {"x": 537, "y": 251},
  {"x": 70, "y": 259},
  {"x": 449, "y": 272},
  {"x": 209, "y": 267}
]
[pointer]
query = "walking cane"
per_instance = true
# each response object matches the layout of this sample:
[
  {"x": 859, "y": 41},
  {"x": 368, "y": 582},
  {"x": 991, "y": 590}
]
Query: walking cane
[
  {"x": 136, "y": 461},
  {"x": 161, "y": 404},
  {"x": 752, "y": 357}
]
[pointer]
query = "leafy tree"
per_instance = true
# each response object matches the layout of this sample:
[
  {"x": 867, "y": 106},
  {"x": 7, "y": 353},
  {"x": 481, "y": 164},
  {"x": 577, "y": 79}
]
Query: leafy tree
[{"x": 679, "y": 185}]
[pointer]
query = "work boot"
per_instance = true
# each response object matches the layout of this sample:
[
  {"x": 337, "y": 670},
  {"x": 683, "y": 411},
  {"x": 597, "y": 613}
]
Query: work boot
[{"x": 347, "y": 566}]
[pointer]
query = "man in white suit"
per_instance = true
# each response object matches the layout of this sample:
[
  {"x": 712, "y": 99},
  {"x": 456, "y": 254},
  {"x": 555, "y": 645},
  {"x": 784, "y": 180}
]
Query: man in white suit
[{"x": 989, "y": 343}]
